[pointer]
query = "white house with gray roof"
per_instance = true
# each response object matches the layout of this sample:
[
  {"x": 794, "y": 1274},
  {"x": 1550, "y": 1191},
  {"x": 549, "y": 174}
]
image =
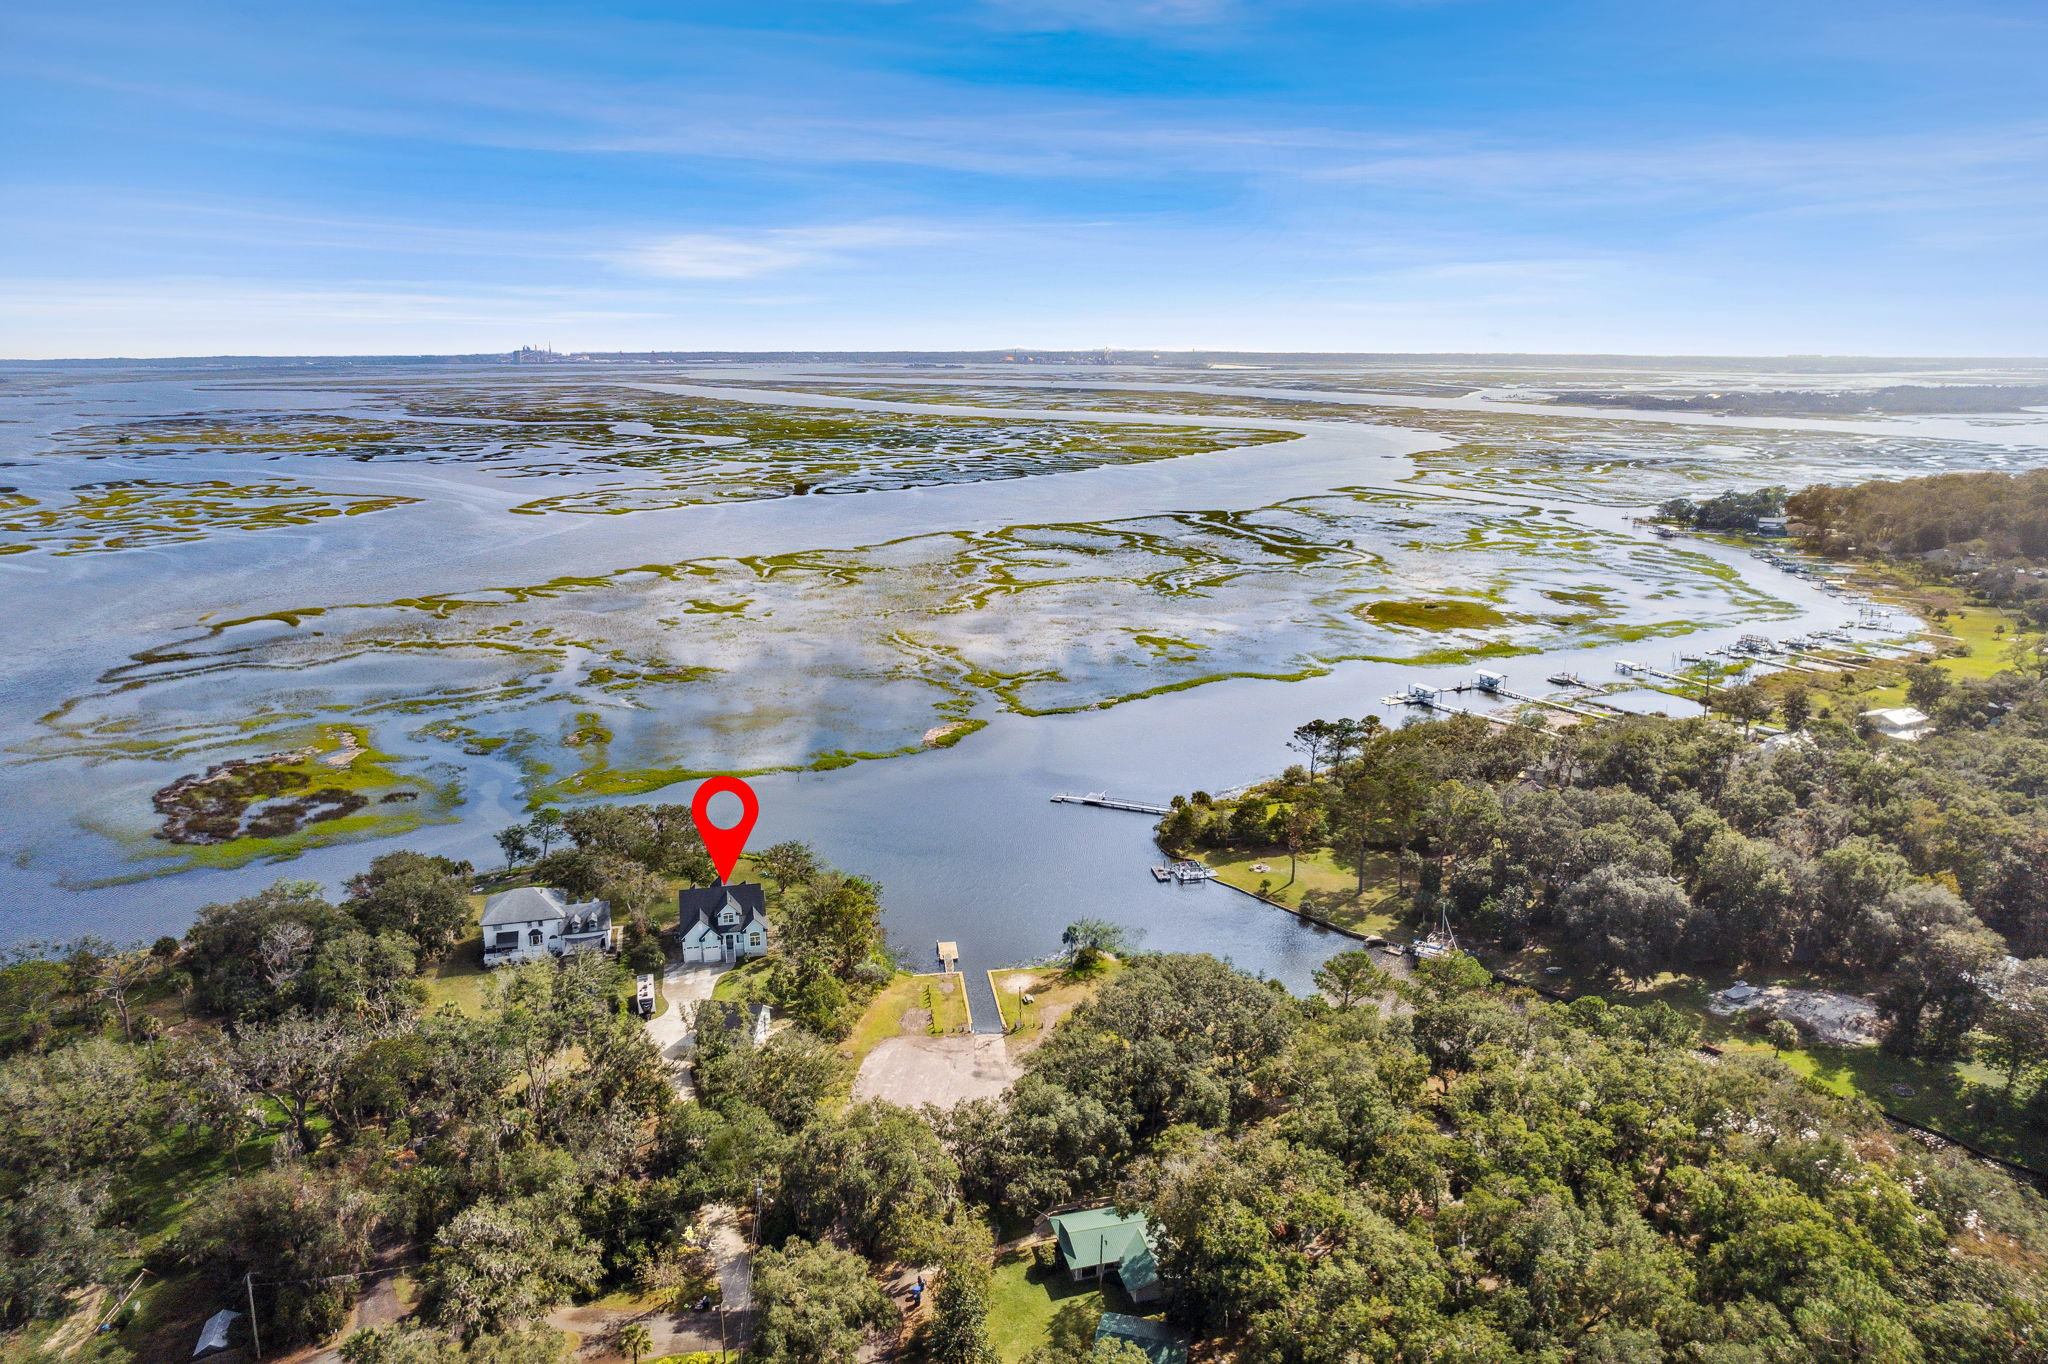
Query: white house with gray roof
[
  {"x": 533, "y": 922},
  {"x": 722, "y": 923}
]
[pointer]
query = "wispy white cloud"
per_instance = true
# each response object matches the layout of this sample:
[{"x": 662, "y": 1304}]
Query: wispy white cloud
[
  {"x": 188, "y": 220},
  {"x": 703, "y": 255},
  {"x": 1111, "y": 15},
  {"x": 1790, "y": 169},
  {"x": 851, "y": 116}
]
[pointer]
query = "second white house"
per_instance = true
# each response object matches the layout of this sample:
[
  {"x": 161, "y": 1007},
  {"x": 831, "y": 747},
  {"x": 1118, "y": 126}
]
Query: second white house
[{"x": 533, "y": 922}]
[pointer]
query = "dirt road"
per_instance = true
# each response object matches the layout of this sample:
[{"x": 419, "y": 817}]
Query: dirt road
[{"x": 937, "y": 1070}]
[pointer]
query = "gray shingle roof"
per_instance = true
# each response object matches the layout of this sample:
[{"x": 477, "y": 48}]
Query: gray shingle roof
[
  {"x": 527, "y": 904},
  {"x": 701, "y": 904},
  {"x": 538, "y": 904}
]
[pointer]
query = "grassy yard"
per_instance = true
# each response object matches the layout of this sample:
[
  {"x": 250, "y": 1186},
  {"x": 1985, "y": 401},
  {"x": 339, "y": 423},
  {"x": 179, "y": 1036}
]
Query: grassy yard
[
  {"x": 746, "y": 984},
  {"x": 1883, "y": 684},
  {"x": 459, "y": 978},
  {"x": 1320, "y": 886},
  {"x": 948, "y": 1002},
  {"x": 1052, "y": 995},
  {"x": 1023, "y": 1301},
  {"x": 884, "y": 1015}
]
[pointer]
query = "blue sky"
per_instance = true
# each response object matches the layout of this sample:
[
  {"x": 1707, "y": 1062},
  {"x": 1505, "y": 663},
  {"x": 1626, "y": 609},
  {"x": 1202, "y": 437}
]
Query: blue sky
[{"x": 1543, "y": 175}]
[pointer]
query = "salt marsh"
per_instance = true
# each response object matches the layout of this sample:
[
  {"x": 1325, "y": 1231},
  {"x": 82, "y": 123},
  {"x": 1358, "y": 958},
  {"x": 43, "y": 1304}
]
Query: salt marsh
[{"x": 579, "y": 584}]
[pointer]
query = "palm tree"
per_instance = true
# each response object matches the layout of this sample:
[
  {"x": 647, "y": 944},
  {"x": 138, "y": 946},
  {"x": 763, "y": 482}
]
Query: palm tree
[{"x": 635, "y": 1340}]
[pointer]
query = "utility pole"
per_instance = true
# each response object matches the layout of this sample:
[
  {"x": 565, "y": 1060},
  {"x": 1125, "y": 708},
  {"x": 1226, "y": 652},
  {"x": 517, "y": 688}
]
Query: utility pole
[
  {"x": 751, "y": 1255},
  {"x": 255, "y": 1337}
]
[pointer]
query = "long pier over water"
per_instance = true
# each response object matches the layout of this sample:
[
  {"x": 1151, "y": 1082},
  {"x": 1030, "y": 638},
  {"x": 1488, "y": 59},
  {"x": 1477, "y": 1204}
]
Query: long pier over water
[{"x": 1108, "y": 802}]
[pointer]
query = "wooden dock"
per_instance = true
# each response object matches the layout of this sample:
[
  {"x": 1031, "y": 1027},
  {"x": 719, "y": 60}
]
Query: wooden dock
[
  {"x": 1104, "y": 801},
  {"x": 949, "y": 956},
  {"x": 1628, "y": 669}
]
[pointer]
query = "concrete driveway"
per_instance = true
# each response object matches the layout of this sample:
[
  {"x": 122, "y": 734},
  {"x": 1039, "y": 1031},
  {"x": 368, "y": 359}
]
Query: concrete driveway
[{"x": 684, "y": 986}]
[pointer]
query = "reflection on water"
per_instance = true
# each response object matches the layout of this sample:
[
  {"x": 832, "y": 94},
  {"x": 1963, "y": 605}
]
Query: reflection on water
[
  {"x": 1648, "y": 701},
  {"x": 965, "y": 840}
]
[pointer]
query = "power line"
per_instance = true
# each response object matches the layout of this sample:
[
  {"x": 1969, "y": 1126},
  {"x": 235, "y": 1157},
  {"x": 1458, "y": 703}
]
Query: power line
[{"x": 249, "y": 1286}]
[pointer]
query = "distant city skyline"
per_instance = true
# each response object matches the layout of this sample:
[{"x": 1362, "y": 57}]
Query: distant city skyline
[{"x": 1275, "y": 175}]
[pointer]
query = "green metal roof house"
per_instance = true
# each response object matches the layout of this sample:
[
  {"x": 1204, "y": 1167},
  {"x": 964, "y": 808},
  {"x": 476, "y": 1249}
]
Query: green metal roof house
[
  {"x": 1096, "y": 1240},
  {"x": 1161, "y": 1343}
]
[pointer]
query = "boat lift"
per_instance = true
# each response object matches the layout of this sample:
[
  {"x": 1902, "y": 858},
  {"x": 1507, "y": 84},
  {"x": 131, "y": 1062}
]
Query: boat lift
[
  {"x": 1431, "y": 698},
  {"x": 1628, "y": 669},
  {"x": 1496, "y": 684}
]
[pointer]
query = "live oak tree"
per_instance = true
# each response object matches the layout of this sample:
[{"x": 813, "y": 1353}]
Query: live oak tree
[
  {"x": 296, "y": 1061},
  {"x": 875, "y": 1178},
  {"x": 814, "y": 1304},
  {"x": 788, "y": 863},
  {"x": 1090, "y": 940},
  {"x": 830, "y": 955},
  {"x": 49, "y": 1246},
  {"x": 112, "y": 972},
  {"x": 1747, "y": 705},
  {"x": 503, "y": 1263},
  {"x": 789, "y": 1079},
  {"x": 2015, "y": 1020},
  {"x": 424, "y": 898},
  {"x": 301, "y": 1231},
  {"x": 409, "y": 1344},
  {"x": 1795, "y": 706},
  {"x": 957, "y": 1331},
  {"x": 93, "y": 1105},
  {"x": 1350, "y": 977}
]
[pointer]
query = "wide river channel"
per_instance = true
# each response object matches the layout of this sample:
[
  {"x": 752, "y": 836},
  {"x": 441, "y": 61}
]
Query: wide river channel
[{"x": 966, "y": 841}]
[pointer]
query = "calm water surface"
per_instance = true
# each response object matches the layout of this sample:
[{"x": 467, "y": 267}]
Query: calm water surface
[{"x": 965, "y": 840}]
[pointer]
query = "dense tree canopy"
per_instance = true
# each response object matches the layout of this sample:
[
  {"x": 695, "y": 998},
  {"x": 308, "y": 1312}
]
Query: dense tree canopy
[{"x": 1496, "y": 1178}]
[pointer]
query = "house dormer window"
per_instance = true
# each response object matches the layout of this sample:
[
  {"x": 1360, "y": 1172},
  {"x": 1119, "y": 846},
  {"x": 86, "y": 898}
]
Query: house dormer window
[
  {"x": 533, "y": 937},
  {"x": 728, "y": 916}
]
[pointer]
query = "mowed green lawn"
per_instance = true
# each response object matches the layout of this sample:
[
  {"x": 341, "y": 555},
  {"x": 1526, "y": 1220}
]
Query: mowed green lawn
[
  {"x": 1023, "y": 1301},
  {"x": 1988, "y": 633},
  {"x": 1320, "y": 887},
  {"x": 459, "y": 978}
]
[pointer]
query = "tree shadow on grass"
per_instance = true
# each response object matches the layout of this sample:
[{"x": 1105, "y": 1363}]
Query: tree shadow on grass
[{"x": 1934, "y": 1094}]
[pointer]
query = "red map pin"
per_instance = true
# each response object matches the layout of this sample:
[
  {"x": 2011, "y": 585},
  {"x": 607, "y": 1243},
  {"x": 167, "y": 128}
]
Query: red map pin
[{"x": 725, "y": 845}]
